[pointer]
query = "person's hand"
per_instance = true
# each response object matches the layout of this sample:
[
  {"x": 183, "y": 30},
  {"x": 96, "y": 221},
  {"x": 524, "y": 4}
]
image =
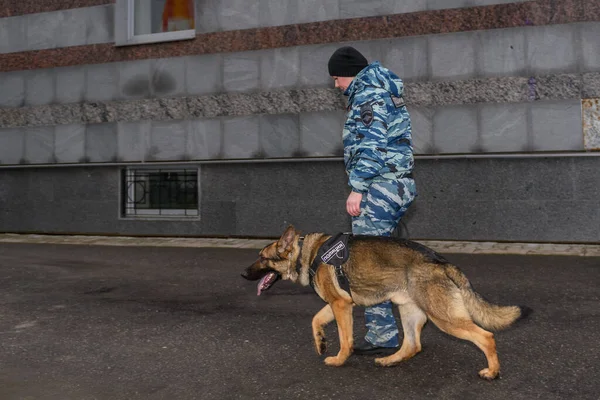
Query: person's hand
[{"x": 353, "y": 204}]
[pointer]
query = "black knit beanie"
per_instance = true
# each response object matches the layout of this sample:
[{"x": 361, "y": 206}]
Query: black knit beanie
[{"x": 346, "y": 62}]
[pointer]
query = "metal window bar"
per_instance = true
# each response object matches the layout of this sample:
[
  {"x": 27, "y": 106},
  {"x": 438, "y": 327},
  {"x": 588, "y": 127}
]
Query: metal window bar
[{"x": 160, "y": 192}]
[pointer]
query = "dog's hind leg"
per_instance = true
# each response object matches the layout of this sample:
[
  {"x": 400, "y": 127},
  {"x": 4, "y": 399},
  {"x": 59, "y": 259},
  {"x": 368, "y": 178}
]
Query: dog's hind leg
[
  {"x": 321, "y": 319},
  {"x": 342, "y": 310},
  {"x": 468, "y": 330},
  {"x": 413, "y": 319}
]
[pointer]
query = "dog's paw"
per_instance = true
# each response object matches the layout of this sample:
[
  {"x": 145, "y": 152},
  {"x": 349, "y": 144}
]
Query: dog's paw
[
  {"x": 334, "y": 361},
  {"x": 387, "y": 361},
  {"x": 321, "y": 345},
  {"x": 487, "y": 374}
]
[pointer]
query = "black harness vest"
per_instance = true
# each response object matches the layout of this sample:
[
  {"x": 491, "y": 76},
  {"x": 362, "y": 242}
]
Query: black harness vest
[{"x": 334, "y": 252}]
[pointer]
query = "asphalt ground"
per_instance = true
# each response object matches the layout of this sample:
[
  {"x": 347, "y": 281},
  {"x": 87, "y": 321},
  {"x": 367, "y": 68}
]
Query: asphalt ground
[{"x": 101, "y": 322}]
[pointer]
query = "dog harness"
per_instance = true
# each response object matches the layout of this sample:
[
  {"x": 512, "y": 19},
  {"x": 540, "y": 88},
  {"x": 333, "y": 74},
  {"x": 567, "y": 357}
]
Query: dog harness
[{"x": 334, "y": 252}]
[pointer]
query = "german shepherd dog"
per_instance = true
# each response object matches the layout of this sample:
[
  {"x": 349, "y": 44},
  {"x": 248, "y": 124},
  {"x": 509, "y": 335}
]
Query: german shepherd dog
[{"x": 419, "y": 281}]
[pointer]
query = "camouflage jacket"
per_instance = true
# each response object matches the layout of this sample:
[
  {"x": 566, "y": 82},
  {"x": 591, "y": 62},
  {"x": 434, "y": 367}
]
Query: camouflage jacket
[{"x": 377, "y": 133}]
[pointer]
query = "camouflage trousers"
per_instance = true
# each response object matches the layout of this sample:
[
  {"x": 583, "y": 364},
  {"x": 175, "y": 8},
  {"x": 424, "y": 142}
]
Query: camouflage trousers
[{"x": 382, "y": 208}]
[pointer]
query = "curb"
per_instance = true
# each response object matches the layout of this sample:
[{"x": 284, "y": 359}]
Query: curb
[{"x": 457, "y": 247}]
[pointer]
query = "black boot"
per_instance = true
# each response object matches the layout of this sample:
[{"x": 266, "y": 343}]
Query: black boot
[{"x": 366, "y": 348}]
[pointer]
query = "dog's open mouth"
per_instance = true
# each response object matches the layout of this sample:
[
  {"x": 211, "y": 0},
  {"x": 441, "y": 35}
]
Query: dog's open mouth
[{"x": 267, "y": 281}]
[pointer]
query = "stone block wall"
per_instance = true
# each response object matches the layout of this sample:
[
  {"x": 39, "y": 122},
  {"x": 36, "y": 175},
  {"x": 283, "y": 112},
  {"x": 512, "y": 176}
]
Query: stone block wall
[{"x": 483, "y": 78}]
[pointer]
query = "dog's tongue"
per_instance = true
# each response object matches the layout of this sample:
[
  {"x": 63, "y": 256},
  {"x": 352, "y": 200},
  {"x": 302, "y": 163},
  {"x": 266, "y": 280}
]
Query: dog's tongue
[{"x": 265, "y": 282}]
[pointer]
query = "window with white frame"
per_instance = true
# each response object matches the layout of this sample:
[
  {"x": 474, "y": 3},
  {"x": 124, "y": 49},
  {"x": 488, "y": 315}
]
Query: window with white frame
[
  {"x": 150, "y": 21},
  {"x": 168, "y": 192}
]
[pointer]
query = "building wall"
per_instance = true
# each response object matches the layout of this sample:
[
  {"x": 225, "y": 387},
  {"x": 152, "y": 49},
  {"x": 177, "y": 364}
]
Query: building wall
[
  {"x": 94, "y": 24},
  {"x": 537, "y": 200},
  {"x": 482, "y": 77},
  {"x": 529, "y": 100}
]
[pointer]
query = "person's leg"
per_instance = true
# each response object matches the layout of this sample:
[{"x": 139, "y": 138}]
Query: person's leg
[
  {"x": 383, "y": 207},
  {"x": 382, "y": 329}
]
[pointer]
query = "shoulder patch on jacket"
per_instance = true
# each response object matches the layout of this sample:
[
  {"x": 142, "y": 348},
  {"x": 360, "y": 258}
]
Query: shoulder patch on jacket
[
  {"x": 398, "y": 101},
  {"x": 366, "y": 114}
]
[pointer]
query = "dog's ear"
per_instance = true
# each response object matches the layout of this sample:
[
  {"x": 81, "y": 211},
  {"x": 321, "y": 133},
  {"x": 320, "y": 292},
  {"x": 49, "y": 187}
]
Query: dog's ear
[{"x": 286, "y": 240}]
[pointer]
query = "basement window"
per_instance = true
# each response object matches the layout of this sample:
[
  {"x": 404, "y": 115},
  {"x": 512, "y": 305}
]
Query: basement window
[
  {"x": 152, "y": 21},
  {"x": 160, "y": 192}
]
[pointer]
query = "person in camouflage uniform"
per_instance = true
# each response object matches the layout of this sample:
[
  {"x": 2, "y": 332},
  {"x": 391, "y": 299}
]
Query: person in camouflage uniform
[{"x": 378, "y": 155}]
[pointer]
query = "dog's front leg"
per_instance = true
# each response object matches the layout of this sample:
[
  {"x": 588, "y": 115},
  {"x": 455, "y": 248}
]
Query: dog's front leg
[
  {"x": 342, "y": 310},
  {"x": 321, "y": 319}
]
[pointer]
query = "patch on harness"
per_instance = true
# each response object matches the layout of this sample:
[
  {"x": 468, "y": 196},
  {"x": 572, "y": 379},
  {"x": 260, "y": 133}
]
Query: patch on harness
[{"x": 334, "y": 252}]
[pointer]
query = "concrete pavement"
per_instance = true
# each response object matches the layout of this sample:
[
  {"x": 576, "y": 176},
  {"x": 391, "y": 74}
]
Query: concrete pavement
[{"x": 113, "y": 322}]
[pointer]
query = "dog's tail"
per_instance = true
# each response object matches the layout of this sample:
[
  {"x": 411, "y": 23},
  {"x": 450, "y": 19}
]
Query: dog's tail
[{"x": 487, "y": 315}]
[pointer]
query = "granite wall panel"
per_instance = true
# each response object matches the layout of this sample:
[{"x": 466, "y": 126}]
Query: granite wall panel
[
  {"x": 244, "y": 38},
  {"x": 456, "y": 200}
]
